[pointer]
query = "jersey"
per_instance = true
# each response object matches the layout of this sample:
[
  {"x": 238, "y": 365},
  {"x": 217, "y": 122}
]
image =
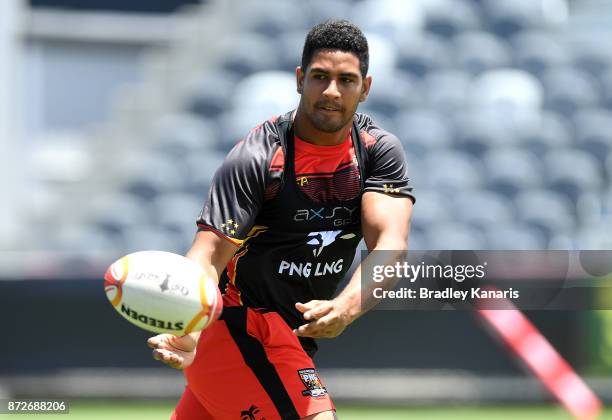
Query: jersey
[{"x": 297, "y": 226}]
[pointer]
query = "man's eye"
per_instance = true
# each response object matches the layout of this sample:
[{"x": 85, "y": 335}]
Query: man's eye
[
  {"x": 319, "y": 76},
  {"x": 346, "y": 80}
]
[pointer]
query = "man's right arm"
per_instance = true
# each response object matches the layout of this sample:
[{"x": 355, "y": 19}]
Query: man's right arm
[{"x": 212, "y": 252}]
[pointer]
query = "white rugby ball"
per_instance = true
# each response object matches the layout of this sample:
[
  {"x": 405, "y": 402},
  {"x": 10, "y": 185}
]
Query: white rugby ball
[{"x": 163, "y": 292}]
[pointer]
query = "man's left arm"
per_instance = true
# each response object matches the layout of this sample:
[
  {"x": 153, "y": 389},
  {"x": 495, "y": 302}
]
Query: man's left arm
[{"x": 386, "y": 224}]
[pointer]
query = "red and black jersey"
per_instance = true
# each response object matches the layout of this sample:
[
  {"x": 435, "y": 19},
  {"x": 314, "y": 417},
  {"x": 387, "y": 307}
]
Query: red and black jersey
[{"x": 294, "y": 209}]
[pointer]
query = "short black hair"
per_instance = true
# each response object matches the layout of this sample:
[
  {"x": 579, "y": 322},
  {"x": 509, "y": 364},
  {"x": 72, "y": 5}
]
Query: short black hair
[{"x": 337, "y": 35}]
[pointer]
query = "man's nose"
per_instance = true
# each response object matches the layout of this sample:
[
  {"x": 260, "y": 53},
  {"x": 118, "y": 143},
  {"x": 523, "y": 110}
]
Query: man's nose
[{"x": 332, "y": 90}]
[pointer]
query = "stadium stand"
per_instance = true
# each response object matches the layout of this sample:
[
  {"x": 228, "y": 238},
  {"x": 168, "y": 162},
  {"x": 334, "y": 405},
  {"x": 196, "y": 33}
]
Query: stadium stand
[{"x": 500, "y": 110}]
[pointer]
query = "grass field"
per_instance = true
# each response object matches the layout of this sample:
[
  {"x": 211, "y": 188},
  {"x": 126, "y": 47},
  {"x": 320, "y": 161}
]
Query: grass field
[{"x": 131, "y": 410}]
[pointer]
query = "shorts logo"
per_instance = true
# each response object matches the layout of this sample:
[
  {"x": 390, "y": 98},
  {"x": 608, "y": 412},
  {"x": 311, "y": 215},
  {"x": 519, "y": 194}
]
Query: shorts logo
[
  {"x": 310, "y": 379},
  {"x": 249, "y": 413}
]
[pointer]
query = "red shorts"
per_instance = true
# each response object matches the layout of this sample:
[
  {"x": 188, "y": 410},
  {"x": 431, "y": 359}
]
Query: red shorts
[{"x": 250, "y": 365}]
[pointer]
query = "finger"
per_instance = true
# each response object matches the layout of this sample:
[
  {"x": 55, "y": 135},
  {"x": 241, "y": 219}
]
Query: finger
[
  {"x": 331, "y": 325},
  {"x": 328, "y": 319},
  {"x": 312, "y": 329},
  {"x": 303, "y": 307},
  {"x": 167, "y": 357},
  {"x": 153, "y": 342},
  {"x": 318, "y": 311},
  {"x": 302, "y": 331}
]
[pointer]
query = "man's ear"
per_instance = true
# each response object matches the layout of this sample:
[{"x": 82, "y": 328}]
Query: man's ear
[
  {"x": 365, "y": 88},
  {"x": 299, "y": 79}
]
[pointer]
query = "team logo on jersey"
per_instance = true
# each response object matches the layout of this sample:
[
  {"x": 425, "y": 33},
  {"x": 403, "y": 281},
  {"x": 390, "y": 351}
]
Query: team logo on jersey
[
  {"x": 310, "y": 379},
  {"x": 339, "y": 215},
  {"x": 388, "y": 188},
  {"x": 229, "y": 227},
  {"x": 325, "y": 238},
  {"x": 321, "y": 268}
]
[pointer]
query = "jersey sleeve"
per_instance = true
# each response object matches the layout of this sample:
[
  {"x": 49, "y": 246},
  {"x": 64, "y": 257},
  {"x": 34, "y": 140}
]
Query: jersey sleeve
[
  {"x": 388, "y": 172},
  {"x": 237, "y": 191}
]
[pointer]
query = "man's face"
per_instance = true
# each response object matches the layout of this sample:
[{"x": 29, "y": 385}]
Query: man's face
[{"x": 331, "y": 88}]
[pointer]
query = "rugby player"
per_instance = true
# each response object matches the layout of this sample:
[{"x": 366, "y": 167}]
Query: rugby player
[{"x": 283, "y": 218}]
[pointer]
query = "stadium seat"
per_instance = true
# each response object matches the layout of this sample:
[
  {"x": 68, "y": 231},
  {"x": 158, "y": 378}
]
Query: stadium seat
[
  {"x": 514, "y": 91},
  {"x": 608, "y": 168},
  {"x": 418, "y": 54},
  {"x": 422, "y": 130},
  {"x": 538, "y": 51},
  {"x": 451, "y": 172},
  {"x": 152, "y": 174},
  {"x": 506, "y": 18},
  {"x": 79, "y": 239},
  {"x": 177, "y": 210},
  {"x": 510, "y": 99},
  {"x": 605, "y": 204},
  {"x": 546, "y": 211},
  {"x": 568, "y": 89},
  {"x": 447, "y": 18},
  {"x": 383, "y": 56},
  {"x": 588, "y": 54},
  {"x": 447, "y": 90},
  {"x": 507, "y": 237},
  {"x": 115, "y": 212},
  {"x": 417, "y": 241},
  {"x": 380, "y": 120},
  {"x": 594, "y": 237},
  {"x": 250, "y": 54},
  {"x": 548, "y": 131},
  {"x": 454, "y": 236},
  {"x": 390, "y": 95},
  {"x": 511, "y": 170},
  {"x": 433, "y": 208},
  {"x": 389, "y": 18},
  {"x": 481, "y": 129},
  {"x": 256, "y": 99},
  {"x": 481, "y": 209},
  {"x": 591, "y": 207},
  {"x": 179, "y": 135},
  {"x": 593, "y": 128},
  {"x": 198, "y": 171},
  {"x": 141, "y": 237},
  {"x": 606, "y": 89},
  {"x": 291, "y": 44},
  {"x": 321, "y": 10},
  {"x": 477, "y": 51},
  {"x": 256, "y": 16},
  {"x": 572, "y": 172},
  {"x": 210, "y": 95}
]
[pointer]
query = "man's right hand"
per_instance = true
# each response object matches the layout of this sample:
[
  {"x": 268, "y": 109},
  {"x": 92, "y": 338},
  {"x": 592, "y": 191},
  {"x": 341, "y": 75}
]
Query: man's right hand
[{"x": 176, "y": 352}]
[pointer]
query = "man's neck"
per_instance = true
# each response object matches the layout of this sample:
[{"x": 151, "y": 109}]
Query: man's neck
[{"x": 304, "y": 129}]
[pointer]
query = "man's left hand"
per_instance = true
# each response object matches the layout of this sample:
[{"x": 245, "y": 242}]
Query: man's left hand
[{"x": 328, "y": 318}]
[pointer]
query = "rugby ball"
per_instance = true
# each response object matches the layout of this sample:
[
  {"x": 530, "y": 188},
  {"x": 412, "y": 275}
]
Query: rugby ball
[{"x": 162, "y": 292}]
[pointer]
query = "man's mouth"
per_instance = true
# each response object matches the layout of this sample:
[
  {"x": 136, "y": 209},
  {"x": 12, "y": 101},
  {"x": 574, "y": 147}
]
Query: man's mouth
[{"x": 330, "y": 108}]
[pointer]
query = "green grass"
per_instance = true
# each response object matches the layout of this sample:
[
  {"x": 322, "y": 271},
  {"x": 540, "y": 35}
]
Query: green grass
[{"x": 141, "y": 410}]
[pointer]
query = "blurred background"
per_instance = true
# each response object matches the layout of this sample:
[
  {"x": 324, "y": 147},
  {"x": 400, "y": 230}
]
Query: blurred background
[{"x": 115, "y": 115}]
